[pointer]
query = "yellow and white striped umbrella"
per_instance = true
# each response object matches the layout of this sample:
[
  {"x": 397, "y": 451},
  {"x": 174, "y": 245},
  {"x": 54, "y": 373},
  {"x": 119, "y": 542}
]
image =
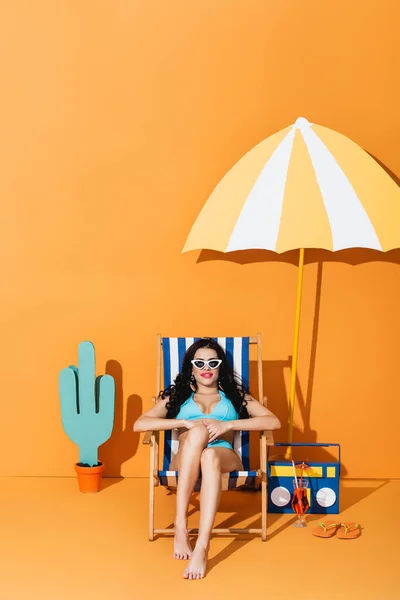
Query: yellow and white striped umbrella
[{"x": 306, "y": 186}]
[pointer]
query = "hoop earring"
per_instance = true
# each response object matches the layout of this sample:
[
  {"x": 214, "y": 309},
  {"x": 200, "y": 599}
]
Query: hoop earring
[
  {"x": 192, "y": 384},
  {"x": 220, "y": 387}
]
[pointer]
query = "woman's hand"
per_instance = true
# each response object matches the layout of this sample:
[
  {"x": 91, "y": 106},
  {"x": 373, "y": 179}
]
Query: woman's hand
[{"x": 216, "y": 429}]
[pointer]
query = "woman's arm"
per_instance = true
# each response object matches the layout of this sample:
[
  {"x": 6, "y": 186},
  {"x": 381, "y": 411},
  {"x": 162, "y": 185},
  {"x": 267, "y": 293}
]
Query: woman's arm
[
  {"x": 261, "y": 418},
  {"x": 155, "y": 419}
]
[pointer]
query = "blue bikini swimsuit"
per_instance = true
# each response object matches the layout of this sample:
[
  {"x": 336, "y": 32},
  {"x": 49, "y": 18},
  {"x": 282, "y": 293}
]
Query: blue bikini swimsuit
[{"x": 223, "y": 411}]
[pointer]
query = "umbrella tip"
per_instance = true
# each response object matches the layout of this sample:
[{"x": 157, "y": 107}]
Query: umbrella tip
[{"x": 302, "y": 123}]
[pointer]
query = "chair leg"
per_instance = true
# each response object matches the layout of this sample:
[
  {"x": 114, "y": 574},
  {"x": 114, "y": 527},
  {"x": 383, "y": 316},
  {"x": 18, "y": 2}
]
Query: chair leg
[
  {"x": 151, "y": 510},
  {"x": 263, "y": 509}
]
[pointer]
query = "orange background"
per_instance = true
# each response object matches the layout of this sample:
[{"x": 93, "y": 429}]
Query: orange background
[{"x": 117, "y": 121}]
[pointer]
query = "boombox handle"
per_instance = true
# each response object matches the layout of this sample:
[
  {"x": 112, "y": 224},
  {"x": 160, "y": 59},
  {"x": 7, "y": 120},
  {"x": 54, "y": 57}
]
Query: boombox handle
[{"x": 308, "y": 444}]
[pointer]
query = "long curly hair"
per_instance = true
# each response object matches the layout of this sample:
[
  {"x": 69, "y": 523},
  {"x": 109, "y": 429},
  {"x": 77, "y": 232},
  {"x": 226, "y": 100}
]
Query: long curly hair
[{"x": 229, "y": 382}]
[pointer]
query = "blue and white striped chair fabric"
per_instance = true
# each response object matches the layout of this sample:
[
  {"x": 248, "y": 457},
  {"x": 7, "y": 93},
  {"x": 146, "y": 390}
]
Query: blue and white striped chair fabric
[{"x": 237, "y": 352}]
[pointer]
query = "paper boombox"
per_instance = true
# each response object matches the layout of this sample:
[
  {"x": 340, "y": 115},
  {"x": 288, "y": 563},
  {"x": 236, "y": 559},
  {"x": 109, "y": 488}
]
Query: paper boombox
[{"x": 323, "y": 483}]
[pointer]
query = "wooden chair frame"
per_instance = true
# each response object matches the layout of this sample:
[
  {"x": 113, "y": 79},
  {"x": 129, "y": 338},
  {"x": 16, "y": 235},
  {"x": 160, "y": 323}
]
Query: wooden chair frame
[{"x": 266, "y": 439}]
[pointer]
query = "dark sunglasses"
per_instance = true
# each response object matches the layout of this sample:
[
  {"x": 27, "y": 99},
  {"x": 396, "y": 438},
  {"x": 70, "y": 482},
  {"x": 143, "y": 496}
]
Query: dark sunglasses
[{"x": 213, "y": 363}]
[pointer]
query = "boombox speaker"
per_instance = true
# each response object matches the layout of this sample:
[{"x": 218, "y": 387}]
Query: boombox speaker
[{"x": 323, "y": 484}]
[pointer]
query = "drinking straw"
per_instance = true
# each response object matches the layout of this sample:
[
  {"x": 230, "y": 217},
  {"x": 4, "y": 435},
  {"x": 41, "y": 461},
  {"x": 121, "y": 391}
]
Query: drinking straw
[{"x": 295, "y": 476}]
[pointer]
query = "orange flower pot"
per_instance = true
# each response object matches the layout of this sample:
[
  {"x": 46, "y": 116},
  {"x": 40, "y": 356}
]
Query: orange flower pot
[{"x": 89, "y": 478}]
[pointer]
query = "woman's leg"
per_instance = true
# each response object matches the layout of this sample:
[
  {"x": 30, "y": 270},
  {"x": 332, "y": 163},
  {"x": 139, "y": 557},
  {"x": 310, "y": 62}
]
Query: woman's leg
[
  {"x": 214, "y": 462},
  {"x": 188, "y": 463}
]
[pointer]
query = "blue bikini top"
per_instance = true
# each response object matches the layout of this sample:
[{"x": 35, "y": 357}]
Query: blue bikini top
[{"x": 223, "y": 410}]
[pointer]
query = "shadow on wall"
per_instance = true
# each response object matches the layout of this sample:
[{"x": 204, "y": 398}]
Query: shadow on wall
[
  {"x": 278, "y": 402},
  {"x": 273, "y": 371},
  {"x": 124, "y": 442},
  {"x": 385, "y": 168}
]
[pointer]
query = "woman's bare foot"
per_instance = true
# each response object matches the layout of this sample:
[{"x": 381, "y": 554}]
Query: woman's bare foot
[
  {"x": 196, "y": 568},
  {"x": 182, "y": 548}
]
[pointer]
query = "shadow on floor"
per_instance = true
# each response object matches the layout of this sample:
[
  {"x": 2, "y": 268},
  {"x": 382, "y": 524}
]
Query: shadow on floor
[
  {"x": 247, "y": 504},
  {"x": 351, "y": 494}
]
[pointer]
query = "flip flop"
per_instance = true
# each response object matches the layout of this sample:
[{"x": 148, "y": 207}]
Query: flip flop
[
  {"x": 348, "y": 531},
  {"x": 325, "y": 529}
]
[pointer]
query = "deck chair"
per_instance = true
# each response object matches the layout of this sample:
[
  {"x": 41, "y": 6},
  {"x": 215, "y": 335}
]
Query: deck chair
[{"x": 170, "y": 352}]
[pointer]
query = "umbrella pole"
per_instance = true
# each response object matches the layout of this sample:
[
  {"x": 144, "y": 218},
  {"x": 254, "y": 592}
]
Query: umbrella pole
[{"x": 295, "y": 349}]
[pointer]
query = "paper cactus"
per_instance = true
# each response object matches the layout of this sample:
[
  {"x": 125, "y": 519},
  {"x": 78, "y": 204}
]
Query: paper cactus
[{"x": 87, "y": 404}]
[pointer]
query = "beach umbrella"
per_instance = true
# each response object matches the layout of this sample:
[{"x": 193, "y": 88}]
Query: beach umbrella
[{"x": 306, "y": 186}]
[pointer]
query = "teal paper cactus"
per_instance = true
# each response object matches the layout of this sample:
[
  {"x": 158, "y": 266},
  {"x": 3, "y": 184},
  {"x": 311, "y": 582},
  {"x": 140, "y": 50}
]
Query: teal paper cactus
[{"x": 87, "y": 404}]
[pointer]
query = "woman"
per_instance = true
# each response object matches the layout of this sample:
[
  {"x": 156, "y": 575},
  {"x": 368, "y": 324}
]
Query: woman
[{"x": 206, "y": 404}]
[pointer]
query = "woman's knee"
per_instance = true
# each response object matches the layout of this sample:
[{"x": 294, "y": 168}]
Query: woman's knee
[
  {"x": 210, "y": 459},
  {"x": 197, "y": 435}
]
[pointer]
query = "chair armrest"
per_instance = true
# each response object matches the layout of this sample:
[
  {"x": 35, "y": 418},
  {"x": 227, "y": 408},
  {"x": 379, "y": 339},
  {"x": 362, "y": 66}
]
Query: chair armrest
[
  {"x": 149, "y": 437},
  {"x": 269, "y": 437}
]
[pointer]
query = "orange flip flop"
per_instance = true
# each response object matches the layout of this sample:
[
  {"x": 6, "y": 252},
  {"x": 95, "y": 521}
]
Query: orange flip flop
[
  {"x": 348, "y": 531},
  {"x": 326, "y": 529}
]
